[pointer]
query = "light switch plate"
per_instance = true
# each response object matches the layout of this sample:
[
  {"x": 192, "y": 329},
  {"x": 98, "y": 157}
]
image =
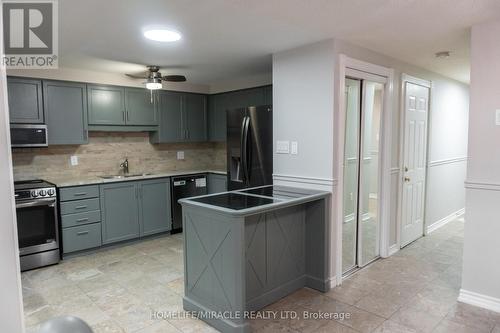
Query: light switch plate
[
  {"x": 295, "y": 148},
  {"x": 283, "y": 147},
  {"x": 497, "y": 117},
  {"x": 180, "y": 155},
  {"x": 73, "y": 160}
]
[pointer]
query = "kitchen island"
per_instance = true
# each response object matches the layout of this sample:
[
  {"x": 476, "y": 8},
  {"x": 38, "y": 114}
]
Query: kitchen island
[{"x": 244, "y": 250}]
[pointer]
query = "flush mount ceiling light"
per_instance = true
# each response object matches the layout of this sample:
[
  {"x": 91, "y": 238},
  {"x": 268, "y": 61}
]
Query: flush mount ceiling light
[
  {"x": 162, "y": 35},
  {"x": 443, "y": 54}
]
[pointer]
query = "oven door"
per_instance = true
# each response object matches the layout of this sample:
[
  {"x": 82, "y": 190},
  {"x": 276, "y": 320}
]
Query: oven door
[{"x": 37, "y": 228}]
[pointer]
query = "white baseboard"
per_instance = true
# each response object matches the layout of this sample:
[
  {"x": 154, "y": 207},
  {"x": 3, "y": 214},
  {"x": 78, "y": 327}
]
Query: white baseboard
[
  {"x": 393, "y": 249},
  {"x": 333, "y": 282},
  {"x": 482, "y": 301},
  {"x": 438, "y": 224}
]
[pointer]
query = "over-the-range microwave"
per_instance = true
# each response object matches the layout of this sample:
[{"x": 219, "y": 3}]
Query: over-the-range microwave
[{"x": 28, "y": 135}]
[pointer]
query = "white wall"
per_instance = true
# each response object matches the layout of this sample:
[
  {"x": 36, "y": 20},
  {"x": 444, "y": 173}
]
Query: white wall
[
  {"x": 304, "y": 91},
  {"x": 481, "y": 272},
  {"x": 303, "y": 110},
  {"x": 11, "y": 309},
  {"x": 447, "y": 144}
]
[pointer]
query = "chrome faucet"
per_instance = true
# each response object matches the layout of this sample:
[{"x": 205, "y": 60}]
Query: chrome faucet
[{"x": 124, "y": 166}]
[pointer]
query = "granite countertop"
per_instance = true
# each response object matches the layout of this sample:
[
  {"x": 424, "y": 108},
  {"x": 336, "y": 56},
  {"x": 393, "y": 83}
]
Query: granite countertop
[
  {"x": 85, "y": 180},
  {"x": 254, "y": 200}
]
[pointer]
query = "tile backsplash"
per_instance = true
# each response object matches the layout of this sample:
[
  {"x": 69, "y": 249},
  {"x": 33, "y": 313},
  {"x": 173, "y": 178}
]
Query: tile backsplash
[{"x": 106, "y": 150}]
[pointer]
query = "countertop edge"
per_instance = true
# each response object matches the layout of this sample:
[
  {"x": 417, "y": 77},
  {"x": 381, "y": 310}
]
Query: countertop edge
[
  {"x": 258, "y": 209},
  {"x": 102, "y": 181}
]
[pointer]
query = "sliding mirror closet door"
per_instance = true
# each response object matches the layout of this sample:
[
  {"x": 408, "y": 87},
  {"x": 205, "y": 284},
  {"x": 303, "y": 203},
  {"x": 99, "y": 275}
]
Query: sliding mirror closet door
[
  {"x": 369, "y": 185},
  {"x": 350, "y": 226},
  {"x": 361, "y": 227}
]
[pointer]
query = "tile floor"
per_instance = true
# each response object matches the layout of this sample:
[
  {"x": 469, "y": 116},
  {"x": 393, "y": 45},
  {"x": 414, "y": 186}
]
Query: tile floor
[{"x": 116, "y": 291}]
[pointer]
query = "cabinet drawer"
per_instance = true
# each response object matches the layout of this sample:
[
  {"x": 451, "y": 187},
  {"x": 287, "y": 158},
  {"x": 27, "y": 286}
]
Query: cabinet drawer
[
  {"x": 81, "y": 237},
  {"x": 72, "y": 220},
  {"x": 79, "y": 206},
  {"x": 79, "y": 192}
]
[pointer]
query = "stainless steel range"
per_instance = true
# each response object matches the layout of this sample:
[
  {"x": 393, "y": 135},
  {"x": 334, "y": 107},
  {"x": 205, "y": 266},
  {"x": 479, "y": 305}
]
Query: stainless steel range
[{"x": 37, "y": 223}]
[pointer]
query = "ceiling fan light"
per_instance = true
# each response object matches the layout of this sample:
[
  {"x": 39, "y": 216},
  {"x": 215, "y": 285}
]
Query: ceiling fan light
[{"x": 153, "y": 84}]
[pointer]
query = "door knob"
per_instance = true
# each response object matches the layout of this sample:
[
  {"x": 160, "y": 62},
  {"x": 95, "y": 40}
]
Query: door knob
[{"x": 407, "y": 179}]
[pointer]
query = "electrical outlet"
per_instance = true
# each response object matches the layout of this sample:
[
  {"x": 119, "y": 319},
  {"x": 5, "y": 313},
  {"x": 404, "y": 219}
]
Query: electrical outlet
[
  {"x": 295, "y": 148},
  {"x": 180, "y": 155},
  {"x": 497, "y": 117},
  {"x": 73, "y": 160}
]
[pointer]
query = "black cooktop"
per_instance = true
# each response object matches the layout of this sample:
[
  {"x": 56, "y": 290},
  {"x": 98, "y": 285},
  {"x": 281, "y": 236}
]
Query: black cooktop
[
  {"x": 31, "y": 184},
  {"x": 234, "y": 201}
]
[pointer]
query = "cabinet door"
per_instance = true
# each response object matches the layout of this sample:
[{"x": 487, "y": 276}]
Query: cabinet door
[
  {"x": 268, "y": 95},
  {"x": 170, "y": 114},
  {"x": 25, "y": 101},
  {"x": 140, "y": 107},
  {"x": 155, "y": 206},
  {"x": 65, "y": 106},
  {"x": 119, "y": 212},
  {"x": 217, "y": 117},
  {"x": 195, "y": 116},
  {"x": 247, "y": 97},
  {"x": 106, "y": 105},
  {"x": 217, "y": 183}
]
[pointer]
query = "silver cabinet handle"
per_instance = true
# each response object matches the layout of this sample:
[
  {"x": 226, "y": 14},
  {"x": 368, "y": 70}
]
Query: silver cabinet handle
[
  {"x": 81, "y": 207},
  {"x": 82, "y": 220},
  {"x": 80, "y": 194},
  {"x": 81, "y": 233}
]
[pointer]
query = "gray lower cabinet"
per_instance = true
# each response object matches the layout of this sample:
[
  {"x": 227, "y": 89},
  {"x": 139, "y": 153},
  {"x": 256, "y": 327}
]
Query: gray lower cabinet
[
  {"x": 140, "y": 107},
  {"x": 25, "y": 101},
  {"x": 80, "y": 218},
  {"x": 217, "y": 183},
  {"x": 120, "y": 212},
  {"x": 134, "y": 209},
  {"x": 65, "y": 106},
  {"x": 155, "y": 213}
]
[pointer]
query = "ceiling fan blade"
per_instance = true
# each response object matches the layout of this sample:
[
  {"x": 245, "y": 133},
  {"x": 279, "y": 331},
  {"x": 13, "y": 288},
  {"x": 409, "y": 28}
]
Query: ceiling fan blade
[
  {"x": 137, "y": 76},
  {"x": 174, "y": 78}
]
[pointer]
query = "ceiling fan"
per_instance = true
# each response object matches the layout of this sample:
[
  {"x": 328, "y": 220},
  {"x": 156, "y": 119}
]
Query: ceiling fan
[{"x": 154, "y": 78}]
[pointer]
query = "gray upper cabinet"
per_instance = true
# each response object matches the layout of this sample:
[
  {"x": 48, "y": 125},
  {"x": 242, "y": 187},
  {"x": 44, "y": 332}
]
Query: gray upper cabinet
[
  {"x": 170, "y": 114},
  {"x": 106, "y": 105},
  {"x": 155, "y": 206},
  {"x": 25, "y": 101},
  {"x": 120, "y": 212},
  {"x": 183, "y": 118},
  {"x": 219, "y": 103},
  {"x": 65, "y": 106},
  {"x": 195, "y": 115},
  {"x": 140, "y": 107}
]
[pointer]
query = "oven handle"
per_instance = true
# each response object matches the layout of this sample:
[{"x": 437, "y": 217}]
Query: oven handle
[{"x": 37, "y": 203}]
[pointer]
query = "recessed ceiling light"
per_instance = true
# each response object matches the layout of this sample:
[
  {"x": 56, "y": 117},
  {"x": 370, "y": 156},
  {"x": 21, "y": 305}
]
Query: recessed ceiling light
[
  {"x": 162, "y": 35},
  {"x": 443, "y": 54}
]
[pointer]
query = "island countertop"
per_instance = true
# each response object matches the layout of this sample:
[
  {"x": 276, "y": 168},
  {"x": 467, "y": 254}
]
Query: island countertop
[{"x": 254, "y": 200}]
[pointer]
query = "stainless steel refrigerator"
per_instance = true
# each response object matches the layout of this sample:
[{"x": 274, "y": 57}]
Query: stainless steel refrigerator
[{"x": 249, "y": 147}]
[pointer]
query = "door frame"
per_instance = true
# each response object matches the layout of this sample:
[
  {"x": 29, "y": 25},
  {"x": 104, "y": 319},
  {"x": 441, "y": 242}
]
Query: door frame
[
  {"x": 428, "y": 84},
  {"x": 346, "y": 63}
]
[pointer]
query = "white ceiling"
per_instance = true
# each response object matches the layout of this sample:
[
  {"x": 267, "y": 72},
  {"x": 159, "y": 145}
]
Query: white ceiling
[{"x": 234, "y": 38}]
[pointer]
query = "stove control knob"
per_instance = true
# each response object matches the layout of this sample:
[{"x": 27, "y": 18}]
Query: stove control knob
[
  {"x": 51, "y": 192},
  {"x": 34, "y": 194},
  {"x": 43, "y": 193}
]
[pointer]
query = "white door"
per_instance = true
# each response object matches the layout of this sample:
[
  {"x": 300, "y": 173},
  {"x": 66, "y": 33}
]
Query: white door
[{"x": 414, "y": 161}]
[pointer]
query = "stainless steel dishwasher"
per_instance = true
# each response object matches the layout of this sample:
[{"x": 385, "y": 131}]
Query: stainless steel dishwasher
[{"x": 185, "y": 187}]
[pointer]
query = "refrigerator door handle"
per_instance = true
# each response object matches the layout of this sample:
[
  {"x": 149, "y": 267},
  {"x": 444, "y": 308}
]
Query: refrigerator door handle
[
  {"x": 245, "y": 153},
  {"x": 242, "y": 146}
]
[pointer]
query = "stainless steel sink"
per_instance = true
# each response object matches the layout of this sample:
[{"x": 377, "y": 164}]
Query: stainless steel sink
[{"x": 126, "y": 176}]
